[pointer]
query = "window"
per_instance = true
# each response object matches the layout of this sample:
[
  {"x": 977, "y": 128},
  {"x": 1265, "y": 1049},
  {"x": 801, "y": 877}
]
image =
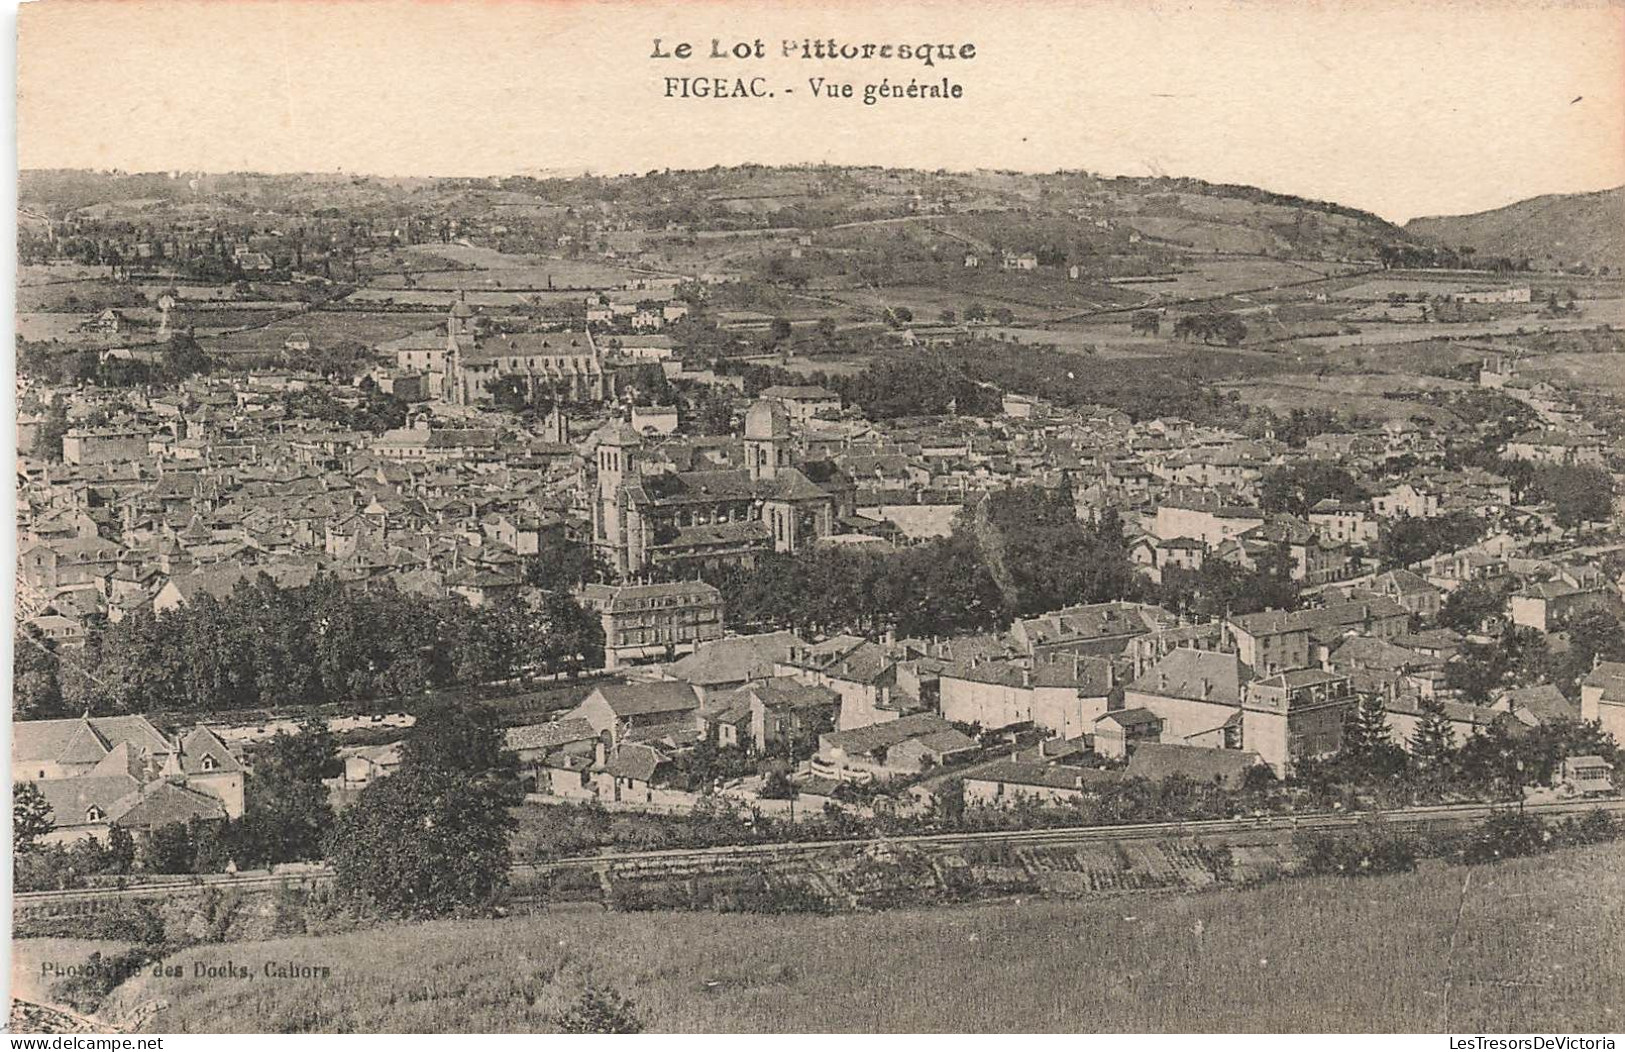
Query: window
[
  {"x": 93, "y": 813},
  {"x": 210, "y": 763}
]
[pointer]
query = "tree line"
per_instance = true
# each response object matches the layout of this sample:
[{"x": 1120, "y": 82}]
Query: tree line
[
  {"x": 265, "y": 645},
  {"x": 1015, "y": 553}
]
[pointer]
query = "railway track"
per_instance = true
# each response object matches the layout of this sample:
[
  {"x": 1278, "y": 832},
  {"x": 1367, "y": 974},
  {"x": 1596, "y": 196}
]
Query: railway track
[{"x": 1057, "y": 837}]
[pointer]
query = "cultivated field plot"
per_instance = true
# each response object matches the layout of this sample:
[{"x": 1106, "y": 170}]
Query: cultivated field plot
[
  {"x": 459, "y": 266},
  {"x": 1599, "y": 372},
  {"x": 326, "y": 328},
  {"x": 565, "y": 276},
  {"x": 1362, "y": 394},
  {"x": 1109, "y": 337},
  {"x": 53, "y": 273},
  {"x": 1222, "y": 277},
  {"x": 86, "y": 296},
  {"x": 1595, "y": 313},
  {"x": 58, "y": 325},
  {"x": 1422, "y": 359},
  {"x": 1042, "y": 297},
  {"x": 1201, "y": 235},
  {"x": 1308, "y": 955}
]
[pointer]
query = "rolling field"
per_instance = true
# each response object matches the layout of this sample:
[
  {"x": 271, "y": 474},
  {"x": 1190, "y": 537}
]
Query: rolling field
[{"x": 1535, "y": 951}]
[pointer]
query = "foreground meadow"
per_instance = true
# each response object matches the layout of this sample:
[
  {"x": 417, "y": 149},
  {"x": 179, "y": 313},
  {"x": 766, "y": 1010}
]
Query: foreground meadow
[{"x": 1537, "y": 949}]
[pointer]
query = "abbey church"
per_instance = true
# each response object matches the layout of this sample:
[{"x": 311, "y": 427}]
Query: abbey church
[{"x": 694, "y": 519}]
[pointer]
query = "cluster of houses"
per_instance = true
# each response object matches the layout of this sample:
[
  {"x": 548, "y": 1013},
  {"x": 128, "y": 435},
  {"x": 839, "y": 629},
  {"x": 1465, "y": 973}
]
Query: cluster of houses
[
  {"x": 1054, "y": 708},
  {"x": 163, "y": 495},
  {"x": 97, "y": 772}
]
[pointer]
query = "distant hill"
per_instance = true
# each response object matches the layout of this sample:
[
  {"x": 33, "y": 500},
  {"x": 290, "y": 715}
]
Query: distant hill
[
  {"x": 1122, "y": 224},
  {"x": 1559, "y": 228}
]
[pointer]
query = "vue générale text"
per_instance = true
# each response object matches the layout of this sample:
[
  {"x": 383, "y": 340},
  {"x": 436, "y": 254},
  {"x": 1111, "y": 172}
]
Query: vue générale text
[{"x": 731, "y": 85}]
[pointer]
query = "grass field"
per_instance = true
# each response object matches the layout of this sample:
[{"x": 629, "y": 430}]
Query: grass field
[{"x": 1537, "y": 950}]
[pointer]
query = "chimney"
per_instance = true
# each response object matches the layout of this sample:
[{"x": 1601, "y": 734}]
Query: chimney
[
  {"x": 1027, "y": 677},
  {"x": 599, "y": 753},
  {"x": 1207, "y": 688}
]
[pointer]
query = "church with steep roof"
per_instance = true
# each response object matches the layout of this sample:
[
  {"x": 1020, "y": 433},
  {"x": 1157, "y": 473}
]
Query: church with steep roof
[{"x": 691, "y": 520}]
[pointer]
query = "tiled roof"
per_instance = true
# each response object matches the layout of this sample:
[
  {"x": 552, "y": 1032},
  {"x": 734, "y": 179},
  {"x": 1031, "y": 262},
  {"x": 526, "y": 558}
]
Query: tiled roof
[
  {"x": 549, "y": 735},
  {"x": 735, "y": 659},
  {"x": 1155, "y": 761},
  {"x": 640, "y": 699}
]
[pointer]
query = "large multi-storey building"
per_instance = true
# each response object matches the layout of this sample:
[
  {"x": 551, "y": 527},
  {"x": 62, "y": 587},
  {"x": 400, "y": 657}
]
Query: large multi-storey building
[
  {"x": 653, "y": 620},
  {"x": 464, "y": 368}
]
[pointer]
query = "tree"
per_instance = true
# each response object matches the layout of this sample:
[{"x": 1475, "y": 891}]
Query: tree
[
  {"x": 1147, "y": 322},
  {"x": 427, "y": 841},
  {"x": 1595, "y": 636},
  {"x": 460, "y": 739},
  {"x": 562, "y": 564},
  {"x": 1406, "y": 541},
  {"x": 1470, "y": 606},
  {"x": 1223, "y": 326},
  {"x": 36, "y": 690},
  {"x": 1297, "y": 488},
  {"x": 168, "y": 849},
  {"x": 30, "y": 818},
  {"x": 286, "y": 814},
  {"x": 1365, "y": 730},
  {"x": 1577, "y": 493},
  {"x": 926, "y": 387},
  {"x": 120, "y": 850},
  {"x": 1432, "y": 740},
  {"x": 510, "y": 392},
  {"x": 48, "y": 438},
  {"x": 780, "y": 330},
  {"x": 570, "y": 639},
  {"x": 183, "y": 357}
]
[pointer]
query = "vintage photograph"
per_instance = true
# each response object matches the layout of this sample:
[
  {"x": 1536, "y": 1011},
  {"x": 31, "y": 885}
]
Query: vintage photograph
[{"x": 729, "y": 517}]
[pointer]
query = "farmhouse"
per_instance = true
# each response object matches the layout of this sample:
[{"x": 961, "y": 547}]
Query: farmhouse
[{"x": 619, "y": 711}]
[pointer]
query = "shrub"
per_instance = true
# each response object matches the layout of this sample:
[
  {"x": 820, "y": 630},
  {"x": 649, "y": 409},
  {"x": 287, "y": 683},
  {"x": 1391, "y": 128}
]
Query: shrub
[
  {"x": 1507, "y": 835},
  {"x": 1594, "y": 827},
  {"x": 1372, "y": 850},
  {"x": 98, "y": 977},
  {"x": 135, "y": 920},
  {"x": 600, "y": 1010}
]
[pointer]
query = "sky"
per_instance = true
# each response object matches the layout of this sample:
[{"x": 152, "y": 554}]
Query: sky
[{"x": 1403, "y": 108}]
